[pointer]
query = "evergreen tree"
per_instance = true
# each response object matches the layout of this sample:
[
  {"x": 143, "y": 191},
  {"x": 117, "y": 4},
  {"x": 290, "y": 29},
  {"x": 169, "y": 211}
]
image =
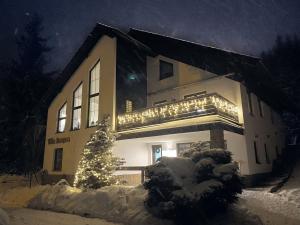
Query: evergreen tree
[
  {"x": 25, "y": 82},
  {"x": 96, "y": 167}
]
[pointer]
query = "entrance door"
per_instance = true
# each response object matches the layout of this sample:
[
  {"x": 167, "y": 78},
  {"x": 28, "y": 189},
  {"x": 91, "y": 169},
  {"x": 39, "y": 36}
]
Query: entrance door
[{"x": 156, "y": 152}]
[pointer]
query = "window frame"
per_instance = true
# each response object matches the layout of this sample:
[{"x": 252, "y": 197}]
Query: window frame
[
  {"x": 260, "y": 107},
  {"x": 76, "y": 107},
  {"x": 182, "y": 143},
  {"x": 61, "y": 118},
  {"x": 55, "y": 158},
  {"x": 90, "y": 96},
  {"x": 165, "y": 76}
]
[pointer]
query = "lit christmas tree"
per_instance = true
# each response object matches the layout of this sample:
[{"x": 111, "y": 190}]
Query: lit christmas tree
[{"x": 97, "y": 164}]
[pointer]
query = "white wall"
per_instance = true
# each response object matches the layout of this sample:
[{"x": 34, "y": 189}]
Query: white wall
[{"x": 262, "y": 131}]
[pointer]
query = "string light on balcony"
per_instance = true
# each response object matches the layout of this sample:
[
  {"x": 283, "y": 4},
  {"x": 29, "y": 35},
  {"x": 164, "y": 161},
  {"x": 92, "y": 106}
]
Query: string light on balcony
[{"x": 172, "y": 111}]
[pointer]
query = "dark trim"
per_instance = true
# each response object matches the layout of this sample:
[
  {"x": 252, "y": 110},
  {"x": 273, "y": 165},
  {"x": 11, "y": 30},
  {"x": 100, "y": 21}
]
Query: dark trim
[
  {"x": 55, "y": 159},
  {"x": 186, "y": 129},
  {"x": 58, "y": 118},
  {"x": 92, "y": 95},
  {"x": 77, "y": 107}
]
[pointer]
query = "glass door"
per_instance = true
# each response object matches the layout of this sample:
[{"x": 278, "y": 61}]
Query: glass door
[{"x": 156, "y": 152}]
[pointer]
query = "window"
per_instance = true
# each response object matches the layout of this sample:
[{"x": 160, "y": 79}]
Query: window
[
  {"x": 267, "y": 154},
  {"x": 77, "y": 101},
  {"x": 181, "y": 147},
  {"x": 128, "y": 106},
  {"x": 159, "y": 103},
  {"x": 165, "y": 69},
  {"x": 256, "y": 153},
  {"x": 250, "y": 107},
  {"x": 156, "y": 153},
  {"x": 260, "y": 107},
  {"x": 277, "y": 151},
  {"x": 58, "y": 154},
  {"x": 62, "y": 117},
  {"x": 195, "y": 95},
  {"x": 94, "y": 95}
]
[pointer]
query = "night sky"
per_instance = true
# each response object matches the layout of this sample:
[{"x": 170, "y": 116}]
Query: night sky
[{"x": 244, "y": 26}]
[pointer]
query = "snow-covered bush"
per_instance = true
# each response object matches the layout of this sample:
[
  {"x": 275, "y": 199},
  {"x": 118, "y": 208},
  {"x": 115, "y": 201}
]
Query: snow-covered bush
[{"x": 196, "y": 186}]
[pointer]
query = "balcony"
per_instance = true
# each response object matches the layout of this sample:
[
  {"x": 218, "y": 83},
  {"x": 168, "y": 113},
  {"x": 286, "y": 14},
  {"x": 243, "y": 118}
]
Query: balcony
[{"x": 209, "y": 104}]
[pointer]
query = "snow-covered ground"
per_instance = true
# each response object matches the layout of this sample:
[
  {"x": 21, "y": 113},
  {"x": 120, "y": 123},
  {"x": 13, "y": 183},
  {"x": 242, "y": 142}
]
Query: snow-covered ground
[
  {"x": 20, "y": 216},
  {"x": 282, "y": 207}
]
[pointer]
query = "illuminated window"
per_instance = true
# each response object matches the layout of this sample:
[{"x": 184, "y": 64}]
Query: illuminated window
[
  {"x": 58, "y": 155},
  {"x": 128, "y": 106},
  {"x": 250, "y": 107},
  {"x": 182, "y": 147},
  {"x": 159, "y": 103},
  {"x": 94, "y": 95},
  {"x": 77, "y": 101},
  {"x": 260, "y": 107},
  {"x": 165, "y": 69},
  {"x": 256, "y": 153},
  {"x": 62, "y": 117},
  {"x": 267, "y": 154}
]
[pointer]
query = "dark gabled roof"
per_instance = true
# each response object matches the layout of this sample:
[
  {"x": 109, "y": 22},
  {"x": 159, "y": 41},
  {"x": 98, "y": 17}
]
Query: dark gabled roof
[
  {"x": 243, "y": 68},
  {"x": 246, "y": 69},
  {"x": 83, "y": 51}
]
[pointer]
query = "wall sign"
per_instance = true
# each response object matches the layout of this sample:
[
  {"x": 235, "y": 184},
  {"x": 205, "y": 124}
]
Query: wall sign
[{"x": 63, "y": 140}]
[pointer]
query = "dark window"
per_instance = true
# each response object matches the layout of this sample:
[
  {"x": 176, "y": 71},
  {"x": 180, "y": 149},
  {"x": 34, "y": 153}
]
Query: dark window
[
  {"x": 260, "y": 107},
  {"x": 195, "y": 95},
  {"x": 250, "y": 107},
  {"x": 267, "y": 154},
  {"x": 277, "y": 151},
  {"x": 58, "y": 154},
  {"x": 165, "y": 69},
  {"x": 256, "y": 153},
  {"x": 182, "y": 147},
  {"x": 62, "y": 117},
  {"x": 94, "y": 95},
  {"x": 156, "y": 153},
  {"x": 77, "y": 101},
  {"x": 159, "y": 103}
]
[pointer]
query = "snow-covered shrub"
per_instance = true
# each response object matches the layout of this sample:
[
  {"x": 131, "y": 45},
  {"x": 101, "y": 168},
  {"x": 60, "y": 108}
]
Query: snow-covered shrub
[{"x": 197, "y": 186}]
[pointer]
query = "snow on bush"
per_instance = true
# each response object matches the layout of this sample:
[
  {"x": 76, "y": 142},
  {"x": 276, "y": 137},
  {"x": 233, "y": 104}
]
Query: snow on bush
[
  {"x": 4, "y": 220},
  {"x": 198, "y": 185}
]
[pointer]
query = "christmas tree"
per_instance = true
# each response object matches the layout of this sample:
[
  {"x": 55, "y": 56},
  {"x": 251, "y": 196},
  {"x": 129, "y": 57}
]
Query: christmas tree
[{"x": 97, "y": 164}]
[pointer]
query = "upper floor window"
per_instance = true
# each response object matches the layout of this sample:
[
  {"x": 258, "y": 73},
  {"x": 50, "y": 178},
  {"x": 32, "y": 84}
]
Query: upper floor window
[
  {"x": 94, "y": 95},
  {"x": 260, "y": 107},
  {"x": 77, "y": 101},
  {"x": 62, "y": 117},
  {"x": 58, "y": 155},
  {"x": 165, "y": 69},
  {"x": 250, "y": 107}
]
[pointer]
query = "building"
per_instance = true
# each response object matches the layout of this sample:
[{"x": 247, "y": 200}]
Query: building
[{"x": 163, "y": 94}]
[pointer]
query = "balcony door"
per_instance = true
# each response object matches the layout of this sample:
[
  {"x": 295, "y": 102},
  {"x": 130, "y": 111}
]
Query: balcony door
[{"x": 156, "y": 153}]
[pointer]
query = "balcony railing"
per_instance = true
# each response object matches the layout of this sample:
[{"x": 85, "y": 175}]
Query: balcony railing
[{"x": 209, "y": 104}]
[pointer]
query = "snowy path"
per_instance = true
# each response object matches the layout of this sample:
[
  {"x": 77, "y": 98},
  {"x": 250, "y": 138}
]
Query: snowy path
[
  {"x": 278, "y": 208},
  {"x": 25, "y": 216}
]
